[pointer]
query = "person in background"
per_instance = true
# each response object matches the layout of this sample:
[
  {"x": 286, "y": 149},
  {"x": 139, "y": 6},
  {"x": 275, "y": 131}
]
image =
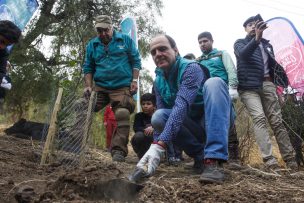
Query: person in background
[
  {"x": 9, "y": 35},
  {"x": 258, "y": 74},
  {"x": 110, "y": 125},
  {"x": 142, "y": 127},
  {"x": 220, "y": 64},
  {"x": 189, "y": 56},
  {"x": 6, "y": 83},
  {"x": 113, "y": 62}
]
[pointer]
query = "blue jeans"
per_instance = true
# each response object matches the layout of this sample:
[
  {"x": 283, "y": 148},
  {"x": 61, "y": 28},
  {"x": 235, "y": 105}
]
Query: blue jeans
[
  {"x": 173, "y": 151},
  {"x": 207, "y": 137}
]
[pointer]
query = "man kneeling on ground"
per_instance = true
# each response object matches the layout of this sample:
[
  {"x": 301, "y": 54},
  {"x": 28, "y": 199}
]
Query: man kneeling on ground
[{"x": 187, "y": 106}]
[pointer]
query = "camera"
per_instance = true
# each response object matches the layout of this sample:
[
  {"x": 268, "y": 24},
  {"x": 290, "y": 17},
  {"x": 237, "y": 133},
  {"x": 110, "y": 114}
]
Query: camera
[{"x": 259, "y": 18}]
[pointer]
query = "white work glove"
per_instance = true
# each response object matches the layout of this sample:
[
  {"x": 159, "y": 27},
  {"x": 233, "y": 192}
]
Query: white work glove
[
  {"x": 151, "y": 159},
  {"x": 233, "y": 93},
  {"x": 6, "y": 83}
]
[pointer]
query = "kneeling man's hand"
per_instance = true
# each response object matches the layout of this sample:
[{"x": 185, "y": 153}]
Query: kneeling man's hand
[{"x": 151, "y": 159}]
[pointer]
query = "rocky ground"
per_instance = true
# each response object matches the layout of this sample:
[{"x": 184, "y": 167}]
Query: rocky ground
[{"x": 22, "y": 178}]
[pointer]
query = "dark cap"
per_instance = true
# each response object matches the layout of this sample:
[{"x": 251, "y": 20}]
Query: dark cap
[
  {"x": 189, "y": 56},
  {"x": 103, "y": 21},
  {"x": 249, "y": 20},
  {"x": 10, "y": 31}
]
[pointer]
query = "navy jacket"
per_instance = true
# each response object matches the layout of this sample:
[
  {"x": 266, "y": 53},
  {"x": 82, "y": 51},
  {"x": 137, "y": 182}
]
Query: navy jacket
[
  {"x": 250, "y": 65},
  {"x": 141, "y": 122},
  {"x": 3, "y": 62}
]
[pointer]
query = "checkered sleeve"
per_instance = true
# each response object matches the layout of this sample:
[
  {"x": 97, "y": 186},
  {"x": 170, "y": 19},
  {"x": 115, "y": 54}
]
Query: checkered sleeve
[{"x": 192, "y": 79}]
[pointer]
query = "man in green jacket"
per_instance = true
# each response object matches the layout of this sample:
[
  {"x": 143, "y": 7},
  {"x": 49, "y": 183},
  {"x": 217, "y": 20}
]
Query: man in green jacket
[
  {"x": 113, "y": 62},
  {"x": 193, "y": 112},
  {"x": 220, "y": 64}
]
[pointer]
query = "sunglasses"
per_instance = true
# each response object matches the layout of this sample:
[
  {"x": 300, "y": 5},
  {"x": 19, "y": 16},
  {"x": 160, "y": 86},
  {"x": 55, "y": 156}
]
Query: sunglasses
[{"x": 102, "y": 30}]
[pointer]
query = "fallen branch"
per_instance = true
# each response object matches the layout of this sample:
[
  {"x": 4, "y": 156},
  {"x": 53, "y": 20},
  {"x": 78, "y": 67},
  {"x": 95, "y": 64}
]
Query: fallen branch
[
  {"x": 8, "y": 152},
  {"x": 27, "y": 181},
  {"x": 296, "y": 134},
  {"x": 33, "y": 146},
  {"x": 297, "y": 174},
  {"x": 160, "y": 187},
  {"x": 233, "y": 185},
  {"x": 290, "y": 189},
  {"x": 101, "y": 154},
  {"x": 264, "y": 173},
  {"x": 284, "y": 187},
  {"x": 161, "y": 176}
]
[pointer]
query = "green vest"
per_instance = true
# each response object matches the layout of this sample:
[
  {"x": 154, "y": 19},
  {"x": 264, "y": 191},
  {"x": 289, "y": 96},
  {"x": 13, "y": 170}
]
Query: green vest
[
  {"x": 168, "y": 87},
  {"x": 213, "y": 61}
]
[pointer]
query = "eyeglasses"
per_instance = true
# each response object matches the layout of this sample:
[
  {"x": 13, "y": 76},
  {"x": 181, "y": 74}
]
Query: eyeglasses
[{"x": 102, "y": 30}]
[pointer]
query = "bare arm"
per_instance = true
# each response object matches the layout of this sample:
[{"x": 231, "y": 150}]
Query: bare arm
[
  {"x": 135, "y": 73},
  {"x": 88, "y": 79},
  {"x": 134, "y": 86}
]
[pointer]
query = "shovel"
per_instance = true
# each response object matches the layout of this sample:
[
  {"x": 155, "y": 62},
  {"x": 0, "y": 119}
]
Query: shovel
[{"x": 122, "y": 190}]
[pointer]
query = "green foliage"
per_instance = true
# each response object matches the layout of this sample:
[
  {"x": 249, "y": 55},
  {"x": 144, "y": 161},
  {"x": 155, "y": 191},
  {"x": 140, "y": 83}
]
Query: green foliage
[
  {"x": 52, "y": 52},
  {"x": 146, "y": 81},
  {"x": 31, "y": 84},
  {"x": 293, "y": 113},
  {"x": 146, "y": 12},
  {"x": 98, "y": 131}
]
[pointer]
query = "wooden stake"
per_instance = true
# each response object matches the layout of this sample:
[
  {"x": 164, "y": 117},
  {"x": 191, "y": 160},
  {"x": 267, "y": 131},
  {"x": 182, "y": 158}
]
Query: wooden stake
[
  {"x": 52, "y": 130},
  {"x": 87, "y": 128}
]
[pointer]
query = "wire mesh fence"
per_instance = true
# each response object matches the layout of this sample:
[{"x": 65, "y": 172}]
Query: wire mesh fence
[
  {"x": 293, "y": 114},
  {"x": 73, "y": 122}
]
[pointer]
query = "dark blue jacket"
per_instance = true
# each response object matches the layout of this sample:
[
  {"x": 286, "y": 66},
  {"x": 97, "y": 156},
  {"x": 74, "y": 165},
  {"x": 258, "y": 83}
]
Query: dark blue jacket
[
  {"x": 250, "y": 65},
  {"x": 3, "y": 62}
]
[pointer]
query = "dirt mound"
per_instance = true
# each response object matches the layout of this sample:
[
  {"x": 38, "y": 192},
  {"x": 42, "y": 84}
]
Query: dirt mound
[
  {"x": 95, "y": 183},
  {"x": 24, "y": 179}
]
